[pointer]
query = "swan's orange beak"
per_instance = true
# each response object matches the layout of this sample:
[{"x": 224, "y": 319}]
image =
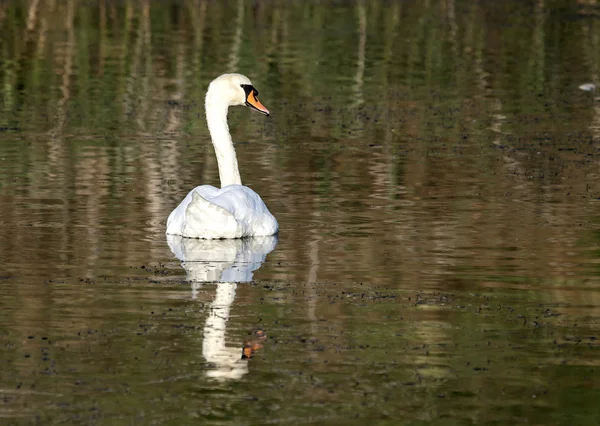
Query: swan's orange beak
[{"x": 253, "y": 102}]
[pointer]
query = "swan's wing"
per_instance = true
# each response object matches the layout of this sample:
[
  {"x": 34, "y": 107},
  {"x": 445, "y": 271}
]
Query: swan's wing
[
  {"x": 232, "y": 212},
  {"x": 248, "y": 208},
  {"x": 204, "y": 219}
]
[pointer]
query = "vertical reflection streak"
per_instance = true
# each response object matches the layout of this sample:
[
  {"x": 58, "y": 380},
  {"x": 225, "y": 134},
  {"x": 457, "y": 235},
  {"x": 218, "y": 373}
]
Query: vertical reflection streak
[
  {"x": 360, "y": 62},
  {"x": 234, "y": 55}
]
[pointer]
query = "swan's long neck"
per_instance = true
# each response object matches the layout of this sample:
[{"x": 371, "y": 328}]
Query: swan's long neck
[{"x": 216, "y": 117}]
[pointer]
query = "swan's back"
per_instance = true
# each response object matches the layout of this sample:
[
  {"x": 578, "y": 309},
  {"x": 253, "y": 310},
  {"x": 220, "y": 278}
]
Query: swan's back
[{"x": 235, "y": 211}]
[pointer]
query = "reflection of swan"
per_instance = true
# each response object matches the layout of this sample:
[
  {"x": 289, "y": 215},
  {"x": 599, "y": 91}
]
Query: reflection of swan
[
  {"x": 234, "y": 211},
  {"x": 221, "y": 260},
  {"x": 227, "y": 262}
]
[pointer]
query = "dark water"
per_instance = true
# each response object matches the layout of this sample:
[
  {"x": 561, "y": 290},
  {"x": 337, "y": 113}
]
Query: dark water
[{"x": 434, "y": 169}]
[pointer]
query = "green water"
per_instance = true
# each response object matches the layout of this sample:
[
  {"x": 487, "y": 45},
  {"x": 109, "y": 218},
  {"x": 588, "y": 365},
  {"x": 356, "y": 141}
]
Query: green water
[{"x": 434, "y": 168}]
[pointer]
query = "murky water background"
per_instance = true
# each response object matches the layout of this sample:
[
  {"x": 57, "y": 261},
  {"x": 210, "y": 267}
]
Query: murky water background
[{"x": 434, "y": 169}]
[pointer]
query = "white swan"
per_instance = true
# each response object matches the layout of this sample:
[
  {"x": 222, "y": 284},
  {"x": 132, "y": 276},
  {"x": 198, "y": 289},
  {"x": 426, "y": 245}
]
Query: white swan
[{"x": 234, "y": 211}]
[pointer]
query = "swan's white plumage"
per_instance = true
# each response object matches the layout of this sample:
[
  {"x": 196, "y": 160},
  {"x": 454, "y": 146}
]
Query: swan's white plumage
[{"x": 234, "y": 211}]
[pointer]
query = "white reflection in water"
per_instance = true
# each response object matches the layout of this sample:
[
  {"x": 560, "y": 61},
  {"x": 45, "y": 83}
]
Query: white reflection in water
[{"x": 226, "y": 262}]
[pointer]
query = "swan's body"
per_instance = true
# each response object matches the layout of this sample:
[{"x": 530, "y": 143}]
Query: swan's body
[{"x": 234, "y": 211}]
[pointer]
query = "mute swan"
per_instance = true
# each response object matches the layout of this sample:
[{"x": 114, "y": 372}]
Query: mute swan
[{"x": 234, "y": 211}]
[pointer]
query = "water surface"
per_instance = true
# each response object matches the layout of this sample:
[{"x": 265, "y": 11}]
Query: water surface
[{"x": 433, "y": 166}]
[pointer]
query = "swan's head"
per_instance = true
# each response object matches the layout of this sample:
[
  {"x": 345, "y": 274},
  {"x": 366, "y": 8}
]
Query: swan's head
[{"x": 235, "y": 89}]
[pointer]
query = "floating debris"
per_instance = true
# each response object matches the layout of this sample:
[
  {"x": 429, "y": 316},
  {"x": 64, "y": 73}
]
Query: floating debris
[{"x": 588, "y": 87}]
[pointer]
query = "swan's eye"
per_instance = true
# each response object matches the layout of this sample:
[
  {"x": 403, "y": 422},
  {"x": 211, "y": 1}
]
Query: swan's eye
[{"x": 249, "y": 89}]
